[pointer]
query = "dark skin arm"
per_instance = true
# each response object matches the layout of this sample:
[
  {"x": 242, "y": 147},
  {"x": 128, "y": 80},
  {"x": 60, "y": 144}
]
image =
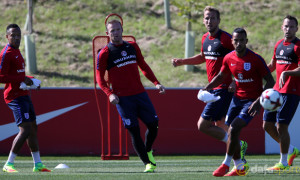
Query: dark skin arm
[
  {"x": 217, "y": 80},
  {"x": 255, "y": 106}
]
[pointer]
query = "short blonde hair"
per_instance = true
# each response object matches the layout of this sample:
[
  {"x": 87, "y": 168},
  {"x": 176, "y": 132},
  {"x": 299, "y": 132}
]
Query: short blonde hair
[{"x": 212, "y": 9}]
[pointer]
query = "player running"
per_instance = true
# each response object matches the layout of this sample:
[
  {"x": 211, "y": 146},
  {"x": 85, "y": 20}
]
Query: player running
[
  {"x": 121, "y": 60},
  {"x": 286, "y": 61},
  {"x": 12, "y": 73},
  {"x": 216, "y": 43},
  {"x": 248, "y": 70}
]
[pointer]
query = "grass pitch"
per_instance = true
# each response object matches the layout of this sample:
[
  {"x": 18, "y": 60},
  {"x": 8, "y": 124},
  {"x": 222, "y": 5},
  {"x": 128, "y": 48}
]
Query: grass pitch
[{"x": 168, "y": 167}]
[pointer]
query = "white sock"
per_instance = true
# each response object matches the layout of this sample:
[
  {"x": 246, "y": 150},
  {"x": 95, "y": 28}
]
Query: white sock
[
  {"x": 283, "y": 159},
  {"x": 11, "y": 157},
  {"x": 36, "y": 157},
  {"x": 227, "y": 160},
  {"x": 291, "y": 149},
  {"x": 225, "y": 138},
  {"x": 239, "y": 164}
]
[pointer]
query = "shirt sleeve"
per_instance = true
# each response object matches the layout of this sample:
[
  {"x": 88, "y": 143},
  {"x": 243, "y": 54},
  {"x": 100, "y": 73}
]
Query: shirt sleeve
[
  {"x": 225, "y": 69},
  {"x": 226, "y": 41},
  {"x": 5, "y": 77},
  {"x": 101, "y": 70},
  {"x": 297, "y": 51},
  {"x": 146, "y": 70}
]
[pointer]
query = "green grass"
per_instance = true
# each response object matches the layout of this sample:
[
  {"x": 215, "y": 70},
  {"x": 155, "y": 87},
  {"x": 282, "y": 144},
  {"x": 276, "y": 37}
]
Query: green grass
[
  {"x": 169, "y": 167},
  {"x": 64, "y": 30}
]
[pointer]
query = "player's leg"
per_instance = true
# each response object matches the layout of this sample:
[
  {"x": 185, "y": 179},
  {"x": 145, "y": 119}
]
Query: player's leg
[
  {"x": 149, "y": 117},
  {"x": 232, "y": 113},
  {"x": 20, "y": 111},
  {"x": 212, "y": 119},
  {"x": 233, "y": 144},
  {"x": 150, "y": 136},
  {"x": 138, "y": 143},
  {"x": 283, "y": 117},
  {"x": 128, "y": 109},
  {"x": 221, "y": 124},
  {"x": 208, "y": 128}
]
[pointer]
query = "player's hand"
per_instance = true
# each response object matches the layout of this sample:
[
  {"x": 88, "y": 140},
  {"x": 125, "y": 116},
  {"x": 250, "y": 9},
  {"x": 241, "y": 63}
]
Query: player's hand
[
  {"x": 177, "y": 62},
  {"x": 114, "y": 99},
  {"x": 28, "y": 81},
  {"x": 232, "y": 86},
  {"x": 282, "y": 79},
  {"x": 254, "y": 108},
  {"x": 161, "y": 88}
]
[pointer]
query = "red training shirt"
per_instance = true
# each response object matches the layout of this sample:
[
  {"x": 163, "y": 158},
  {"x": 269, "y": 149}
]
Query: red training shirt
[{"x": 123, "y": 73}]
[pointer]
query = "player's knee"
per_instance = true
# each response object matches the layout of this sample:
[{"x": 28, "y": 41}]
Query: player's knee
[
  {"x": 203, "y": 125},
  {"x": 282, "y": 130},
  {"x": 153, "y": 126},
  {"x": 233, "y": 130}
]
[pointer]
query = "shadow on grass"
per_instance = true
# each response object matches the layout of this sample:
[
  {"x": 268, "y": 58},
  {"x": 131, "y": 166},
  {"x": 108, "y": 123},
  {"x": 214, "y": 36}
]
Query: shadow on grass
[
  {"x": 86, "y": 38},
  {"x": 64, "y": 76}
]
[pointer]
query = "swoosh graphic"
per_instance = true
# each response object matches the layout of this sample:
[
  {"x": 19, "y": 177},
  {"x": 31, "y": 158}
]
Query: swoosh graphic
[{"x": 11, "y": 129}]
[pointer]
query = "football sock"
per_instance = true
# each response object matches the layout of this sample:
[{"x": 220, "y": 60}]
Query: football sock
[
  {"x": 11, "y": 157},
  {"x": 36, "y": 156},
  {"x": 138, "y": 144},
  {"x": 225, "y": 138},
  {"x": 150, "y": 135},
  {"x": 227, "y": 160},
  {"x": 238, "y": 164},
  {"x": 283, "y": 159}
]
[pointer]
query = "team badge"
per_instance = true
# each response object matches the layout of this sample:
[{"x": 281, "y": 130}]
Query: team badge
[
  {"x": 281, "y": 52},
  {"x": 26, "y": 115},
  {"x": 124, "y": 53},
  {"x": 247, "y": 66},
  {"x": 127, "y": 121},
  {"x": 209, "y": 48},
  {"x": 240, "y": 75}
]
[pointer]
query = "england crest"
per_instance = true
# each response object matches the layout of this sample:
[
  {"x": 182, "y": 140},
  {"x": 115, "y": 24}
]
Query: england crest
[
  {"x": 247, "y": 66},
  {"x": 124, "y": 53}
]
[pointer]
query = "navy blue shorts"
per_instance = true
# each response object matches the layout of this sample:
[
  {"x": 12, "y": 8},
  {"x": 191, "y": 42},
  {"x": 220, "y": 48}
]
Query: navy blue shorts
[
  {"x": 215, "y": 111},
  {"x": 286, "y": 112},
  {"x": 22, "y": 109},
  {"x": 137, "y": 106},
  {"x": 239, "y": 109}
]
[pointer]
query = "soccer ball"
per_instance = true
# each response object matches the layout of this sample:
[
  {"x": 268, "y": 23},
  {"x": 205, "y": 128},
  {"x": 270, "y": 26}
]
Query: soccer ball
[{"x": 271, "y": 100}]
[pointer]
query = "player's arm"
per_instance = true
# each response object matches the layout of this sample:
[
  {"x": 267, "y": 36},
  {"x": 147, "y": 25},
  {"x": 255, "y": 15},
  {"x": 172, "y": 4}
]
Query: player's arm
[
  {"x": 146, "y": 70},
  {"x": 5, "y": 77},
  {"x": 197, "y": 59},
  {"x": 272, "y": 65},
  {"x": 217, "y": 80},
  {"x": 255, "y": 106},
  {"x": 285, "y": 74}
]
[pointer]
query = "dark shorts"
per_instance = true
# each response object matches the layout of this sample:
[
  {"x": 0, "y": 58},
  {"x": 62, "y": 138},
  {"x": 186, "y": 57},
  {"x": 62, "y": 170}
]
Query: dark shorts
[
  {"x": 239, "y": 109},
  {"x": 137, "y": 106},
  {"x": 286, "y": 112},
  {"x": 22, "y": 109},
  {"x": 215, "y": 111}
]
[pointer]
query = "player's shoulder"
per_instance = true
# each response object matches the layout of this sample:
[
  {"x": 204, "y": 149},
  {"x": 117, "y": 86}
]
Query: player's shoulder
[
  {"x": 205, "y": 35},
  {"x": 254, "y": 55},
  {"x": 230, "y": 55},
  {"x": 7, "y": 51},
  {"x": 133, "y": 43},
  {"x": 278, "y": 42},
  {"x": 225, "y": 34},
  {"x": 297, "y": 42}
]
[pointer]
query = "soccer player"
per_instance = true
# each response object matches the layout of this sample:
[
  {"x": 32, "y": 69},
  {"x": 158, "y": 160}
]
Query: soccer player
[
  {"x": 286, "y": 61},
  {"x": 12, "y": 73},
  {"x": 121, "y": 60},
  {"x": 216, "y": 43},
  {"x": 248, "y": 69}
]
